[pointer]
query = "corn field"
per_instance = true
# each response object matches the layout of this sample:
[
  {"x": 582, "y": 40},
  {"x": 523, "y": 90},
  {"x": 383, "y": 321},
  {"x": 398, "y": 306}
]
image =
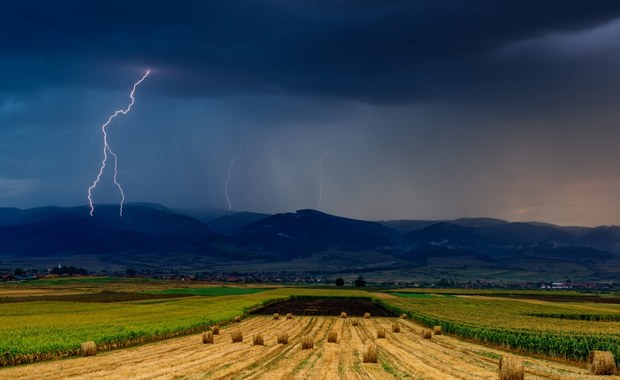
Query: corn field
[{"x": 501, "y": 323}]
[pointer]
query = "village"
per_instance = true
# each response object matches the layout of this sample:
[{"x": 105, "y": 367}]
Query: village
[{"x": 297, "y": 278}]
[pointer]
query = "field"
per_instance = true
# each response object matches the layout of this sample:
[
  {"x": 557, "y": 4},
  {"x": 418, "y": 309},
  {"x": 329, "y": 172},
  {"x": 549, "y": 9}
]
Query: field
[
  {"x": 568, "y": 330},
  {"x": 31, "y": 331},
  {"x": 401, "y": 355},
  {"x": 37, "y": 324},
  {"x": 51, "y": 322}
]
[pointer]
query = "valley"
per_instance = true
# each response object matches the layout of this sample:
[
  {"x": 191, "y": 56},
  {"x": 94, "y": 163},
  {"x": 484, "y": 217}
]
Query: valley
[{"x": 155, "y": 241}]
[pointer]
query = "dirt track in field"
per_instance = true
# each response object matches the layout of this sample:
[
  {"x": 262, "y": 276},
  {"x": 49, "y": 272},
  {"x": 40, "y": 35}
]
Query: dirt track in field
[{"x": 401, "y": 355}]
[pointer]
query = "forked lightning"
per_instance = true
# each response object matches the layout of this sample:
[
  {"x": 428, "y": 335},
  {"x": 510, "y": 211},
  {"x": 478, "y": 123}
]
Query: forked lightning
[{"x": 107, "y": 151}]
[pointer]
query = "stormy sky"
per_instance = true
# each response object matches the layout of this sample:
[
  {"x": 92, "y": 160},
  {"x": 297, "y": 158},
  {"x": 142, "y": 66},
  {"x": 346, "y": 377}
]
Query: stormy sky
[{"x": 367, "y": 109}]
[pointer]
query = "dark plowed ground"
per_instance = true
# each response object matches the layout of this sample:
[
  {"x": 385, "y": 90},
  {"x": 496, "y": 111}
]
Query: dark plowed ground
[
  {"x": 325, "y": 307},
  {"x": 97, "y": 297}
]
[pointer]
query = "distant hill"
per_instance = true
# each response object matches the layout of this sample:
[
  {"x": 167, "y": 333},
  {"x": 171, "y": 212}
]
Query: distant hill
[
  {"x": 56, "y": 230},
  {"x": 10, "y": 216},
  {"x": 522, "y": 233},
  {"x": 606, "y": 238},
  {"x": 407, "y": 225},
  {"x": 205, "y": 214},
  {"x": 228, "y": 223},
  {"x": 308, "y": 231},
  {"x": 479, "y": 222},
  {"x": 414, "y": 225}
]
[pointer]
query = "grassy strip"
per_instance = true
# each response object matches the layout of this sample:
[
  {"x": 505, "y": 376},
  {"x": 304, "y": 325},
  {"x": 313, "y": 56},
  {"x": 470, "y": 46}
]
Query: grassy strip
[
  {"x": 569, "y": 346},
  {"x": 498, "y": 292},
  {"x": 579, "y": 317},
  {"x": 211, "y": 291},
  {"x": 88, "y": 280},
  {"x": 418, "y": 295}
]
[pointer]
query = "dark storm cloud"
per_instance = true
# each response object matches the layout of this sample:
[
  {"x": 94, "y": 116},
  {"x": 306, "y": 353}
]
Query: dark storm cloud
[
  {"x": 437, "y": 109},
  {"x": 375, "y": 51}
]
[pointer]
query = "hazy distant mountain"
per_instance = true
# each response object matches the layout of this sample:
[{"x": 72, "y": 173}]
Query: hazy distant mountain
[
  {"x": 606, "y": 238},
  {"x": 53, "y": 230},
  {"x": 228, "y": 223},
  {"x": 479, "y": 222},
  {"x": 205, "y": 214},
  {"x": 152, "y": 235},
  {"x": 493, "y": 239},
  {"x": 307, "y": 231},
  {"x": 414, "y": 225},
  {"x": 441, "y": 234},
  {"x": 522, "y": 233},
  {"x": 550, "y": 250},
  {"x": 10, "y": 216},
  {"x": 13, "y": 216},
  {"x": 407, "y": 225}
]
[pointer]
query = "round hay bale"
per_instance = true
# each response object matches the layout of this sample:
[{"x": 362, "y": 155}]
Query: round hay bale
[
  {"x": 282, "y": 338},
  {"x": 237, "y": 319},
  {"x": 257, "y": 340},
  {"x": 366, "y": 315},
  {"x": 332, "y": 337},
  {"x": 437, "y": 330},
  {"x": 237, "y": 336},
  {"x": 207, "y": 337},
  {"x": 370, "y": 353},
  {"x": 289, "y": 316},
  {"x": 601, "y": 363},
  {"x": 395, "y": 327},
  {"x": 427, "y": 334},
  {"x": 511, "y": 368},
  {"x": 276, "y": 316},
  {"x": 403, "y": 316},
  {"x": 88, "y": 348},
  {"x": 380, "y": 333},
  {"x": 354, "y": 322},
  {"x": 307, "y": 343},
  {"x": 343, "y": 315},
  {"x": 216, "y": 330}
]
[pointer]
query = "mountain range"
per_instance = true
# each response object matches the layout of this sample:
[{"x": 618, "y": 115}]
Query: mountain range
[{"x": 153, "y": 236}]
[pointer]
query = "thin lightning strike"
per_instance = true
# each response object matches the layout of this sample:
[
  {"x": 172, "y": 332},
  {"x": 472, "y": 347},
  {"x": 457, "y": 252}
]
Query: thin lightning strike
[
  {"x": 108, "y": 151},
  {"x": 230, "y": 168},
  {"x": 323, "y": 156}
]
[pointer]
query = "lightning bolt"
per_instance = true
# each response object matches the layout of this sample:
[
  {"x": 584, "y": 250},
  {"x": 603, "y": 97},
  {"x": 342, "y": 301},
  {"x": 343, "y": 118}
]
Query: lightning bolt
[
  {"x": 321, "y": 160},
  {"x": 230, "y": 168},
  {"x": 107, "y": 151},
  {"x": 323, "y": 156}
]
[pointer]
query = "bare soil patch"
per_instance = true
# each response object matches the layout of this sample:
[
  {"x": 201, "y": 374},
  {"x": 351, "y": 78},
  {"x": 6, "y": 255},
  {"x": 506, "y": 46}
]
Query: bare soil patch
[{"x": 353, "y": 307}]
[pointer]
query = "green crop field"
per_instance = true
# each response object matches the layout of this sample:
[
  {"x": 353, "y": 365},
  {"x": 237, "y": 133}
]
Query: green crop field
[
  {"x": 514, "y": 313},
  {"x": 569, "y": 330},
  {"x": 420, "y": 295},
  {"x": 30, "y": 331},
  {"x": 212, "y": 291},
  {"x": 497, "y": 292}
]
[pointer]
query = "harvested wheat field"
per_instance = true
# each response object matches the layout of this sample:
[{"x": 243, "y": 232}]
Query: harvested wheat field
[{"x": 400, "y": 355}]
